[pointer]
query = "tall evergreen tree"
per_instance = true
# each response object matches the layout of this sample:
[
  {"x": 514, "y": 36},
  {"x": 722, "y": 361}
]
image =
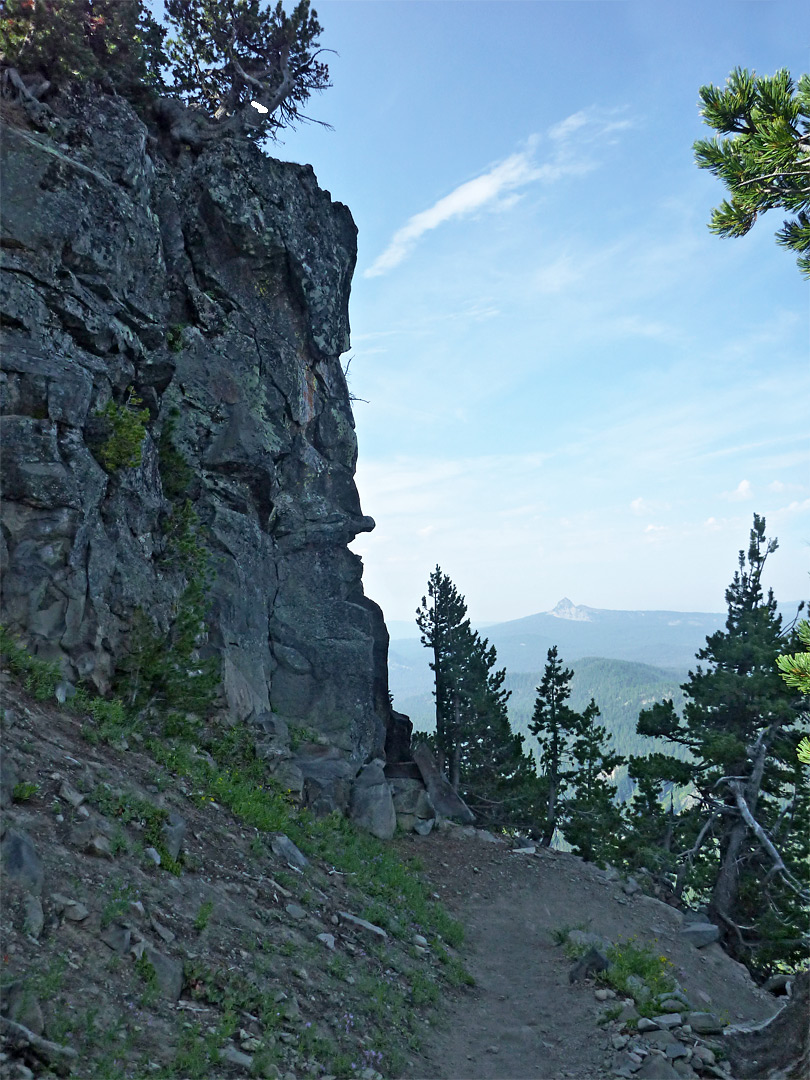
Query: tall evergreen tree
[
  {"x": 743, "y": 839},
  {"x": 475, "y": 743},
  {"x": 554, "y": 724},
  {"x": 445, "y": 629},
  {"x": 592, "y": 820}
]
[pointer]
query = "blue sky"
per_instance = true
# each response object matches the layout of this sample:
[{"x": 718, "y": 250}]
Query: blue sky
[{"x": 573, "y": 387}]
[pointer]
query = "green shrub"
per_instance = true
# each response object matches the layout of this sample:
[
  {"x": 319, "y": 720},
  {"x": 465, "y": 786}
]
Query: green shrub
[
  {"x": 24, "y": 791},
  {"x": 174, "y": 338},
  {"x": 39, "y": 677},
  {"x": 126, "y": 430},
  {"x": 66, "y": 40},
  {"x": 628, "y": 958}
]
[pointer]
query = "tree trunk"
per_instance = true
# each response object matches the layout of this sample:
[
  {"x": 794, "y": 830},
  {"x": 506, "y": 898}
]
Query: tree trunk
[
  {"x": 455, "y": 768},
  {"x": 726, "y": 887},
  {"x": 548, "y": 832}
]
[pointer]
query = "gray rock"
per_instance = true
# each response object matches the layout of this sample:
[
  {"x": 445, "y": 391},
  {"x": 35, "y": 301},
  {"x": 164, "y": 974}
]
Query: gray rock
[
  {"x": 411, "y": 797},
  {"x": 8, "y": 781},
  {"x": 444, "y": 799},
  {"x": 684, "y": 1069},
  {"x": 592, "y": 962},
  {"x": 21, "y": 863},
  {"x": 631, "y": 887},
  {"x": 486, "y": 837},
  {"x": 168, "y": 971},
  {"x": 18, "y": 1003},
  {"x": 585, "y": 937},
  {"x": 656, "y": 1068},
  {"x": 700, "y": 933},
  {"x": 174, "y": 832},
  {"x": 34, "y": 919},
  {"x": 70, "y": 794},
  {"x": 372, "y": 805},
  {"x": 423, "y": 828},
  {"x": 117, "y": 936},
  {"x": 328, "y": 940},
  {"x": 362, "y": 924},
  {"x": 676, "y": 1050},
  {"x": 76, "y": 912},
  {"x": 282, "y": 846},
  {"x": 668, "y": 1020},
  {"x": 295, "y": 911},
  {"x": 661, "y": 1039},
  {"x": 704, "y": 1023},
  {"x": 236, "y": 1057},
  {"x": 673, "y": 1004}
]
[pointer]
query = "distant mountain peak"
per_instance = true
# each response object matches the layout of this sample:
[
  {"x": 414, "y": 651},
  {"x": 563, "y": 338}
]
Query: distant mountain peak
[{"x": 566, "y": 610}]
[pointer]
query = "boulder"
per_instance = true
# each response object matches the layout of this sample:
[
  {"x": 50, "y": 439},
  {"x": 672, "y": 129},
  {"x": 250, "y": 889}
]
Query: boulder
[
  {"x": 445, "y": 800},
  {"x": 372, "y": 805},
  {"x": 174, "y": 831},
  {"x": 20, "y": 861},
  {"x": 700, "y": 934}
]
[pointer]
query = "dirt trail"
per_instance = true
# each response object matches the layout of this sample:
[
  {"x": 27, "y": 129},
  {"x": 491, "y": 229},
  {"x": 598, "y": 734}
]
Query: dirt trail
[{"x": 523, "y": 1020}]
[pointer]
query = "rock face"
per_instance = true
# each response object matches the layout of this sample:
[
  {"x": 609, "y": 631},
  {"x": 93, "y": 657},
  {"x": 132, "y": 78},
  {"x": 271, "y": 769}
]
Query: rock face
[{"x": 215, "y": 287}]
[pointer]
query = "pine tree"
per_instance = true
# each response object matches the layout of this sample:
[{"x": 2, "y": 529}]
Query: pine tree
[
  {"x": 229, "y": 54},
  {"x": 474, "y": 740},
  {"x": 445, "y": 629},
  {"x": 764, "y": 159},
  {"x": 592, "y": 820},
  {"x": 741, "y": 841},
  {"x": 554, "y": 724}
]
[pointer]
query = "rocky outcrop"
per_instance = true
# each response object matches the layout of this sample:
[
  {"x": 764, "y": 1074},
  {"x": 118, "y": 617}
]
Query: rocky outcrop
[{"x": 214, "y": 287}]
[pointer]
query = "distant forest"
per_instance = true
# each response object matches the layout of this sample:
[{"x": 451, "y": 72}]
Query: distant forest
[{"x": 620, "y": 688}]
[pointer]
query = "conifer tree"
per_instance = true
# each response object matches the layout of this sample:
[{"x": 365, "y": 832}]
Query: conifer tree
[
  {"x": 592, "y": 820},
  {"x": 554, "y": 724},
  {"x": 741, "y": 842},
  {"x": 484, "y": 758},
  {"x": 764, "y": 156},
  {"x": 250, "y": 66},
  {"x": 445, "y": 629}
]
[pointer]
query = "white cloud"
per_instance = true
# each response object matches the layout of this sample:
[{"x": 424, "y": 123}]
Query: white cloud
[
  {"x": 777, "y": 485},
  {"x": 742, "y": 492},
  {"x": 638, "y": 505},
  {"x": 794, "y": 507},
  {"x": 497, "y": 188},
  {"x": 484, "y": 191},
  {"x": 565, "y": 127},
  {"x": 713, "y": 524}
]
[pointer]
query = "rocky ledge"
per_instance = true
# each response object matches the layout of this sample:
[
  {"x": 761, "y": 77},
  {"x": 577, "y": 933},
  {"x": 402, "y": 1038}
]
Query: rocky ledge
[{"x": 204, "y": 297}]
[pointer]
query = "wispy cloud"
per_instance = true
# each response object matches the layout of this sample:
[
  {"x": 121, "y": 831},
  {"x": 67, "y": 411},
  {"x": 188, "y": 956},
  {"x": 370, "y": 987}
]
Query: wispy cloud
[{"x": 497, "y": 188}]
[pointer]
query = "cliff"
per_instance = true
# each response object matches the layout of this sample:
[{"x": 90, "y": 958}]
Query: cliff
[{"x": 205, "y": 291}]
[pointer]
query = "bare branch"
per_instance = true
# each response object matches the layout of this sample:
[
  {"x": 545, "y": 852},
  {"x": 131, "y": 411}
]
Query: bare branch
[{"x": 766, "y": 843}]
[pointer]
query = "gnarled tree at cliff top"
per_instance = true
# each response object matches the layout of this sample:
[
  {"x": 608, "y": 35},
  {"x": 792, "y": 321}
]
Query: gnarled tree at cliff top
[
  {"x": 246, "y": 66},
  {"x": 251, "y": 68}
]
